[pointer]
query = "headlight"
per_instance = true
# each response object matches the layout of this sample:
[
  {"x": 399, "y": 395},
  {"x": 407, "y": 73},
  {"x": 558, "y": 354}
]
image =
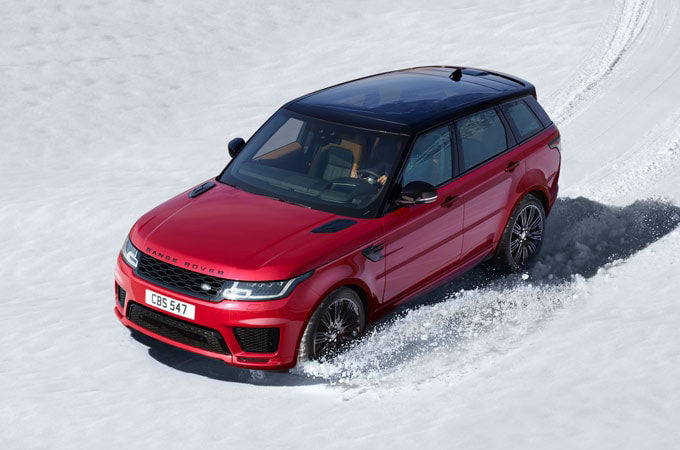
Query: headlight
[
  {"x": 130, "y": 253},
  {"x": 262, "y": 290}
]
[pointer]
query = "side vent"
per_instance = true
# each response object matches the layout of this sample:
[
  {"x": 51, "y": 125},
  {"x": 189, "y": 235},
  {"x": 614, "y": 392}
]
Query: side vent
[
  {"x": 334, "y": 226},
  {"x": 374, "y": 252},
  {"x": 201, "y": 189}
]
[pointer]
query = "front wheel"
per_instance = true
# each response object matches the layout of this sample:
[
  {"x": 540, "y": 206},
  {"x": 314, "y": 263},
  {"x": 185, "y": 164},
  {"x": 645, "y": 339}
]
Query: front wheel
[
  {"x": 522, "y": 238},
  {"x": 336, "y": 322}
]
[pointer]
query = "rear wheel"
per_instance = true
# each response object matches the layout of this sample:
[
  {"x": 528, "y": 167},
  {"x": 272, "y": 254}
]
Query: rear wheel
[
  {"x": 522, "y": 238},
  {"x": 336, "y": 322}
]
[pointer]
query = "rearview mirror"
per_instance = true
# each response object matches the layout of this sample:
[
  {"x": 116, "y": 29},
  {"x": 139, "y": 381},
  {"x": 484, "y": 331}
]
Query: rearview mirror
[
  {"x": 235, "y": 146},
  {"x": 417, "y": 193}
]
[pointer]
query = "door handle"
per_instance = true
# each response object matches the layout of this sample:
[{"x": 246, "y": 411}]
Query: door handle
[
  {"x": 512, "y": 165},
  {"x": 449, "y": 201}
]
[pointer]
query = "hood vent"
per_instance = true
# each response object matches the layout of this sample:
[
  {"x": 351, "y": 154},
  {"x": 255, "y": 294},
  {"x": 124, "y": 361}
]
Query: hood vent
[
  {"x": 198, "y": 190},
  {"x": 334, "y": 226}
]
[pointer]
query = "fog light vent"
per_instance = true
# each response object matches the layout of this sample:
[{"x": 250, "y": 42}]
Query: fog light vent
[{"x": 257, "y": 340}]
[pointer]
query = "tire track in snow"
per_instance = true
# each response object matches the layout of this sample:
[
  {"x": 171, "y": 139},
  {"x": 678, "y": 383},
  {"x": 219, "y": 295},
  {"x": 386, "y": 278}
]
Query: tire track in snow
[
  {"x": 629, "y": 22},
  {"x": 657, "y": 158},
  {"x": 651, "y": 152}
]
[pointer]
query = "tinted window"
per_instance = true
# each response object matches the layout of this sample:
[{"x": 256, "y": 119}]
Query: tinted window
[
  {"x": 482, "y": 136},
  {"x": 538, "y": 110},
  {"x": 430, "y": 159},
  {"x": 523, "y": 119}
]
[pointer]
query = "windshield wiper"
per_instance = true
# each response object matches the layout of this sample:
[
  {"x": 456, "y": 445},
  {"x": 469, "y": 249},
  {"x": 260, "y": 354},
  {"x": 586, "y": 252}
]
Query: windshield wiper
[
  {"x": 293, "y": 203},
  {"x": 286, "y": 201}
]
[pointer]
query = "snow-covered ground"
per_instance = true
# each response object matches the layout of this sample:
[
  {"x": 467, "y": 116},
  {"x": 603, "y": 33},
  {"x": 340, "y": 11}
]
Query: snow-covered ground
[{"x": 109, "y": 108}]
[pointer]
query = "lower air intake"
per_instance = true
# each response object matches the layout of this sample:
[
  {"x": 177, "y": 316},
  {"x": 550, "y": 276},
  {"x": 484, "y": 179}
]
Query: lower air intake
[
  {"x": 257, "y": 340},
  {"x": 177, "y": 330},
  {"x": 121, "y": 295}
]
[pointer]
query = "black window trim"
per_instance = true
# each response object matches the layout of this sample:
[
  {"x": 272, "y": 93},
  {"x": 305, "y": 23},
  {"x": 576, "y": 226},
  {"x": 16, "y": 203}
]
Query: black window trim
[
  {"x": 456, "y": 159},
  {"x": 512, "y": 143}
]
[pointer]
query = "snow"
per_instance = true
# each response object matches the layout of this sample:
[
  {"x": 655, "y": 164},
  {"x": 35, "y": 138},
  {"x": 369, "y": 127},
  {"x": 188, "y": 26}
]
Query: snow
[{"x": 109, "y": 108}]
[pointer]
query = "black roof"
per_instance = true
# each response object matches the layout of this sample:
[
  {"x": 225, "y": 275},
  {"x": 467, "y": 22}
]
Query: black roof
[{"x": 409, "y": 100}]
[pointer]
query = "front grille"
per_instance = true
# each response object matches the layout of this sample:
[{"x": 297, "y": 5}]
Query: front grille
[
  {"x": 179, "y": 279},
  {"x": 258, "y": 340},
  {"x": 120, "y": 294},
  {"x": 177, "y": 330}
]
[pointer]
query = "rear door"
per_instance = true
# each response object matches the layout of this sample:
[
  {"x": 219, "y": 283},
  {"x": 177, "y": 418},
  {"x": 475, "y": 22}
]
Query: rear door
[
  {"x": 492, "y": 167},
  {"x": 528, "y": 123},
  {"x": 423, "y": 240}
]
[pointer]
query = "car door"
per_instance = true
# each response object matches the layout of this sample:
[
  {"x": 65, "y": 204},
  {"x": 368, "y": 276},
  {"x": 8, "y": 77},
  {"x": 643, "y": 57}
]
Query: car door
[
  {"x": 492, "y": 168},
  {"x": 541, "y": 160},
  {"x": 423, "y": 240}
]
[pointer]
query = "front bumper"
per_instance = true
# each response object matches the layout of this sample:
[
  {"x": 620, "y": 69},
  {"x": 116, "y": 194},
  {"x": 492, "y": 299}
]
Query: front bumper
[{"x": 288, "y": 315}]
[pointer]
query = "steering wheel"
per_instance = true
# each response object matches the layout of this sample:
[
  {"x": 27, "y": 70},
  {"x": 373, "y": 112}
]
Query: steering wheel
[
  {"x": 350, "y": 190},
  {"x": 369, "y": 176}
]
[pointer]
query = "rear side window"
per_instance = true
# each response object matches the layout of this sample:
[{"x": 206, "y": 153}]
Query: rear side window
[
  {"x": 430, "y": 159},
  {"x": 538, "y": 110},
  {"x": 525, "y": 122},
  {"x": 482, "y": 136}
]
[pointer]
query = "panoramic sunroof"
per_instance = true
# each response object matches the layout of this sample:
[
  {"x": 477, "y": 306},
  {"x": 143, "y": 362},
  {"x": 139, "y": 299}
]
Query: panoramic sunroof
[{"x": 398, "y": 94}]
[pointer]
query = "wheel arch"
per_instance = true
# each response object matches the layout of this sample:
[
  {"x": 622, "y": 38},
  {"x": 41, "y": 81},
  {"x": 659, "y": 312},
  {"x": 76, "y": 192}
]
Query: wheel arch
[
  {"x": 538, "y": 191},
  {"x": 542, "y": 197},
  {"x": 359, "y": 288},
  {"x": 362, "y": 296},
  {"x": 356, "y": 286},
  {"x": 354, "y": 272}
]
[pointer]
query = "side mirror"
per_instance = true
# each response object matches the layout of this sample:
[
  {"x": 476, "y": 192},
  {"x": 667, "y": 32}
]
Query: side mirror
[
  {"x": 235, "y": 146},
  {"x": 417, "y": 193}
]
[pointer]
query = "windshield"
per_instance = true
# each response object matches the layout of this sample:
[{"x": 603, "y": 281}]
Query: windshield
[{"x": 318, "y": 164}]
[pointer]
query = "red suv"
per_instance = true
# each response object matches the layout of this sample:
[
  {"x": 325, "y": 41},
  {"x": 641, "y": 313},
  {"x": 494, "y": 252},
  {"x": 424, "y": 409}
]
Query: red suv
[{"x": 345, "y": 203}]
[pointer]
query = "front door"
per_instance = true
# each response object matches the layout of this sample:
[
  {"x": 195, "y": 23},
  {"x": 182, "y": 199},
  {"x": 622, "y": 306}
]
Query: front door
[{"x": 424, "y": 240}]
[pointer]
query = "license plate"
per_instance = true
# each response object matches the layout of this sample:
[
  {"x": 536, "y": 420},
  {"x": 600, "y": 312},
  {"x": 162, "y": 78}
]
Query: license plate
[{"x": 170, "y": 304}]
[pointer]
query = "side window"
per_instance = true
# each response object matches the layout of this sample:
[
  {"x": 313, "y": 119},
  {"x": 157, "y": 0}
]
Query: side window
[
  {"x": 522, "y": 118},
  {"x": 482, "y": 136},
  {"x": 538, "y": 110},
  {"x": 430, "y": 159},
  {"x": 287, "y": 134}
]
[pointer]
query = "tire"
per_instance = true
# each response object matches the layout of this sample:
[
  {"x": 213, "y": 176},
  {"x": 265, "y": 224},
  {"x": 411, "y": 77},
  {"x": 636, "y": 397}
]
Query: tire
[
  {"x": 344, "y": 305},
  {"x": 522, "y": 237}
]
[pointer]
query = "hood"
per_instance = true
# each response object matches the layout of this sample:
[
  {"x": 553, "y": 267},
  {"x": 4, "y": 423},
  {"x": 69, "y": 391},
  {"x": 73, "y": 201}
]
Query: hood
[{"x": 233, "y": 234}]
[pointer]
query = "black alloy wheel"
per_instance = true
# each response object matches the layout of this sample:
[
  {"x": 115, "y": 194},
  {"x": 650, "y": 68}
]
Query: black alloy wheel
[
  {"x": 527, "y": 233},
  {"x": 338, "y": 321},
  {"x": 522, "y": 237}
]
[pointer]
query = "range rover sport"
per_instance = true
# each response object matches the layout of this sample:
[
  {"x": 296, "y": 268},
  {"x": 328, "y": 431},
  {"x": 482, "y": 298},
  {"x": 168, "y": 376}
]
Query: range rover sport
[{"x": 347, "y": 202}]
